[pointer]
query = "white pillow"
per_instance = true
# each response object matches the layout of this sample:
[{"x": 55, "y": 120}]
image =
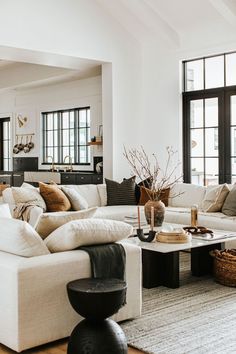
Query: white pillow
[
  {"x": 19, "y": 238},
  {"x": 187, "y": 195},
  {"x": 27, "y": 185},
  {"x": 78, "y": 202},
  {"x": 102, "y": 190},
  {"x": 87, "y": 232},
  {"x": 28, "y": 195},
  {"x": 5, "y": 211},
  {"x": 215, "y": 198},
  {"x": 90, "y": 193},
  {"x": 48, "y": 222}
]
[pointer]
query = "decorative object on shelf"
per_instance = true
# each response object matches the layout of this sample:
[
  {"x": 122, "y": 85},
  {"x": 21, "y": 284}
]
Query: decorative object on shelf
[
  {"x": 16, "y": 146},
  {"x": 31, "y": 144},
  {"x": 26, "y": 147},
  {"x": 158, "y": 179},
  {"x": 99, "y": 167},
  {"x": 21, "y": 120},
  {"x": 225, "y": 266},
  {"x": 21, "y": 145}
]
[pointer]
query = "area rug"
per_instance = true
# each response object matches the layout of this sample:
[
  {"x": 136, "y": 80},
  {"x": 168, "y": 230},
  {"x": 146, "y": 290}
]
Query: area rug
[{"x": 199, "y": 317}]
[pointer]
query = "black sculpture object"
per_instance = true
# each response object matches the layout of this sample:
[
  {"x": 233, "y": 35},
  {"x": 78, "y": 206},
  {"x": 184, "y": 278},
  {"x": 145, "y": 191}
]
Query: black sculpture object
[{"x": 146, "y": 237}]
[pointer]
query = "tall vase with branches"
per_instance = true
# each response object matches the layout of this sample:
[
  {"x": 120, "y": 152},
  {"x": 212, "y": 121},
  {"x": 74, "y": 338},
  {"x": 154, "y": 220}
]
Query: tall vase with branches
[{"x": 156, "y": 180}]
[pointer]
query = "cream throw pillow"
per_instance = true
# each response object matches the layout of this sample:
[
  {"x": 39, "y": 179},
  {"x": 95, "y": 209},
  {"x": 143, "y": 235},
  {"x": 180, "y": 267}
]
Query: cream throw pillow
[
  {"x": 102, "y": 190},
  {"x": 78, "y": 202},
  {"x": 87, "y": 232},
  {"x": 48, "y": 222},
  {"x": 28, "y": 195},
  {"x": 19, "y": 237},
  {"x": 214, "y": 198},
  {"x": 5, "y": 211}
]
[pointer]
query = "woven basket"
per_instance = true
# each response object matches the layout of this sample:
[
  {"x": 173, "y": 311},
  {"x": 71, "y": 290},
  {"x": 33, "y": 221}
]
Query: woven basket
[{"x": 225, "y": 266}]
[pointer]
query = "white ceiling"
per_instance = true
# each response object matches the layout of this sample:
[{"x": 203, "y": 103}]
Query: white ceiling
[{"x": 180, "y": 22}]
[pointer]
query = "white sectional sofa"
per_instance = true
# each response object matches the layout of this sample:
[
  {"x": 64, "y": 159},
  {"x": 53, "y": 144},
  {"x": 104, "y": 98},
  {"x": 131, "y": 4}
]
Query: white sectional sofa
[{"x": 33, "y": 301}]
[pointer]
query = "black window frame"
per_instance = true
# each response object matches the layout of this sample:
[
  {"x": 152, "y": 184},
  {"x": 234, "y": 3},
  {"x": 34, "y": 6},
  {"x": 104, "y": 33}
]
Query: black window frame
[
  {"x": 76, "y": 145},
  {"x": 2, "y": 121},
  {"x": 224, "y": 124}
]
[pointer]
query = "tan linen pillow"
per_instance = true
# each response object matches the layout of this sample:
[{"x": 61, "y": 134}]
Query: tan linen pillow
[
  {"x": 54, "y": 198},
  {"x": 48, "y": 222},
  {"x": 214, "y": 198},
  {"x": 28, "y": 195},
  {"x": 87, "y": 232},
  {"x": 18, "y": 237}
]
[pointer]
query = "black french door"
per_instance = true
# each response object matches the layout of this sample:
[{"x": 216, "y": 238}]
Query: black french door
[{"x": 209, "y": 136}]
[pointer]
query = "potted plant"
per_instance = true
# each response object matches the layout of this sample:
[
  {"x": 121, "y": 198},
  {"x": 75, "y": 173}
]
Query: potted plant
[{"x": 156, "y": 181}]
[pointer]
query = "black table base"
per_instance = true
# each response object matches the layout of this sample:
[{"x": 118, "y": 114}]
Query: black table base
[{"x": 163, "y": 268}]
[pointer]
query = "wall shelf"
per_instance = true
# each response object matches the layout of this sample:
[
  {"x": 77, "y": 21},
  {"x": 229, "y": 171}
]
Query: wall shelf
[{"x": 95, "y": 143}]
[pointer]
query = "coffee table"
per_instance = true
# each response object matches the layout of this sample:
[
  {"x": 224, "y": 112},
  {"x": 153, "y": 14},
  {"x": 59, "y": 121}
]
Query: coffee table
[{"x": 161, "y": 260}]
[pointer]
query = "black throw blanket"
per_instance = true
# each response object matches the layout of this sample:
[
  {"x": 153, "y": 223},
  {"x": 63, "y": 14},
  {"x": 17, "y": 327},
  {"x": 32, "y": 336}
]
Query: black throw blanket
[{"x": 107, "y": 261}]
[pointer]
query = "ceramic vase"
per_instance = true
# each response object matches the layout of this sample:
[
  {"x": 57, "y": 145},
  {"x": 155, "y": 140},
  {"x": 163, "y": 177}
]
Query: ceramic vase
[{"x": 159, "y": 211}]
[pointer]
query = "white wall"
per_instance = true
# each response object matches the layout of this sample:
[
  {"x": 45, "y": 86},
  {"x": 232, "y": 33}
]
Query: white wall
[
  {"x": 82, "y": 29},
  {"x": 30, "y": 103}
]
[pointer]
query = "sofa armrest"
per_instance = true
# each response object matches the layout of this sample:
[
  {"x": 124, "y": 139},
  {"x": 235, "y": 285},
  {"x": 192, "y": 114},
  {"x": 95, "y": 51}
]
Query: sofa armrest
[{"x": 34, "y": 302}]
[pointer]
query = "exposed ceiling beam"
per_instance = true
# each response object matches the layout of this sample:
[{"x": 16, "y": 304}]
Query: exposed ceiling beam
[{"x": 227, "y": 9}]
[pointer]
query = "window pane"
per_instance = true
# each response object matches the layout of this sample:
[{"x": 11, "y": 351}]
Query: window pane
[
  {"x": 196, "y": 113},
  {"x": 72, "y": 154},
  {"x": 50, "y": 138},
  {"x": 214, "y": 72},
  {"x": 6, "y": 164},
  {"x": 212, "y": 170},
  {"x": 55, "y": 135},
  {"x": 194, "y": 75},
  {"x": 233, "y": 141},
  {"x": 88, "y": 117},
  {"x": 230, "y": 69},
  {"x": 55, "y": 120},
  {"x": 211, "y": 112},
  {"x": 197, "y": 142},
  {"x": 5, "y": 130},
  {"x": 72, "y": 136},
  {"x": 72, "y": 119},
  {"x": 233, "y": 166},
  {"x": 197, "y": 171},
  {"x": 65, "y": 137},
  {"x": 83, "y": 154},
  {"x": 65, "y": 120},
  {"x": 49, "y": 122},
  {"x": 5, "y": 149},
  {"x": 55, "y": 154},
  {"x": 65, "y": 152},
  {"x": 82, "y": 136},
  {"x": 233, "y": 109},
  {"x": 82, "y": 118},
  {"x": 211, "y": 142}
]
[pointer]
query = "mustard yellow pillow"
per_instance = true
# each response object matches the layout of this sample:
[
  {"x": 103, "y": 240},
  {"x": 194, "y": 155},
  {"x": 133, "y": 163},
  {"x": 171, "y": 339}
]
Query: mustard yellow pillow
[{"x": 54, "y": 198}]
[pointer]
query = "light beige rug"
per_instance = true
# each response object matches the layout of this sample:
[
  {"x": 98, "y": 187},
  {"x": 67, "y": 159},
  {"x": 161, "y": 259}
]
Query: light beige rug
[{"x": 199, "y": 317}]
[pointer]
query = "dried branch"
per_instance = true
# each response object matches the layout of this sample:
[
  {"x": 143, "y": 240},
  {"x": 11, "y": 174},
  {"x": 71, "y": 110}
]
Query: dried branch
[{"x": 150, "y": 173}]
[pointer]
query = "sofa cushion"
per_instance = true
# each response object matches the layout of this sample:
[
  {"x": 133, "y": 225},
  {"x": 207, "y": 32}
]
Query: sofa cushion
[
  {"x": 214, "y": 198},
  {"x": 186, "y": 195},
  {"x": 54, "y": 198},
  {"x": 90, "y": 193},
  {"x": 78, "y": 202},
  {"x": 28, "y": 195},
  {"x": 48, "y": 222},
  {"x": 18, "y": 237},
  {"x": 5, "y": 211},
  {"x": 121, "y": 193},
  {"x": 79, "y": 233},
  {"x": 102, "y": 190},
  {"x": 229, "y": 207}
]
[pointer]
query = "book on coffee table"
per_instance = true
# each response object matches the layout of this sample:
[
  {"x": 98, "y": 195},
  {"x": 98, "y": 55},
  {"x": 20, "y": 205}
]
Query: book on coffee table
[{"x": 217, "y": 235}]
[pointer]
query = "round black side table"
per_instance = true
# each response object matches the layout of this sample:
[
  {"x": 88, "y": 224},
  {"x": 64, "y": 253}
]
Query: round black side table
[{"x": 96, "y": 299}]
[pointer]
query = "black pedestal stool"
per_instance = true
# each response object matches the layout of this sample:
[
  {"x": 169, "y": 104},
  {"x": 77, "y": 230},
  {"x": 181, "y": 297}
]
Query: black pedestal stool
[{"x": 96, "y": 299}]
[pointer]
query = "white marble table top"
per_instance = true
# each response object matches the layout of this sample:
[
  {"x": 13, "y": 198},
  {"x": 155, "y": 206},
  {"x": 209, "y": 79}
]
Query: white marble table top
[{"x": 172, "y": 247}]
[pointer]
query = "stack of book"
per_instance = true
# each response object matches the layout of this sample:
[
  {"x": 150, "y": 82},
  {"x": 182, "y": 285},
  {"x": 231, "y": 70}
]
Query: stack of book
[
  {"x": 133, "y": 221},
  {"x": 174, "y": 236}
]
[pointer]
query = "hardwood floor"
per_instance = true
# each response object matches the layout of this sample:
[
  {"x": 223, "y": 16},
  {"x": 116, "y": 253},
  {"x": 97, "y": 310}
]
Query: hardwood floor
[{"x": 58, "y": 347}]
